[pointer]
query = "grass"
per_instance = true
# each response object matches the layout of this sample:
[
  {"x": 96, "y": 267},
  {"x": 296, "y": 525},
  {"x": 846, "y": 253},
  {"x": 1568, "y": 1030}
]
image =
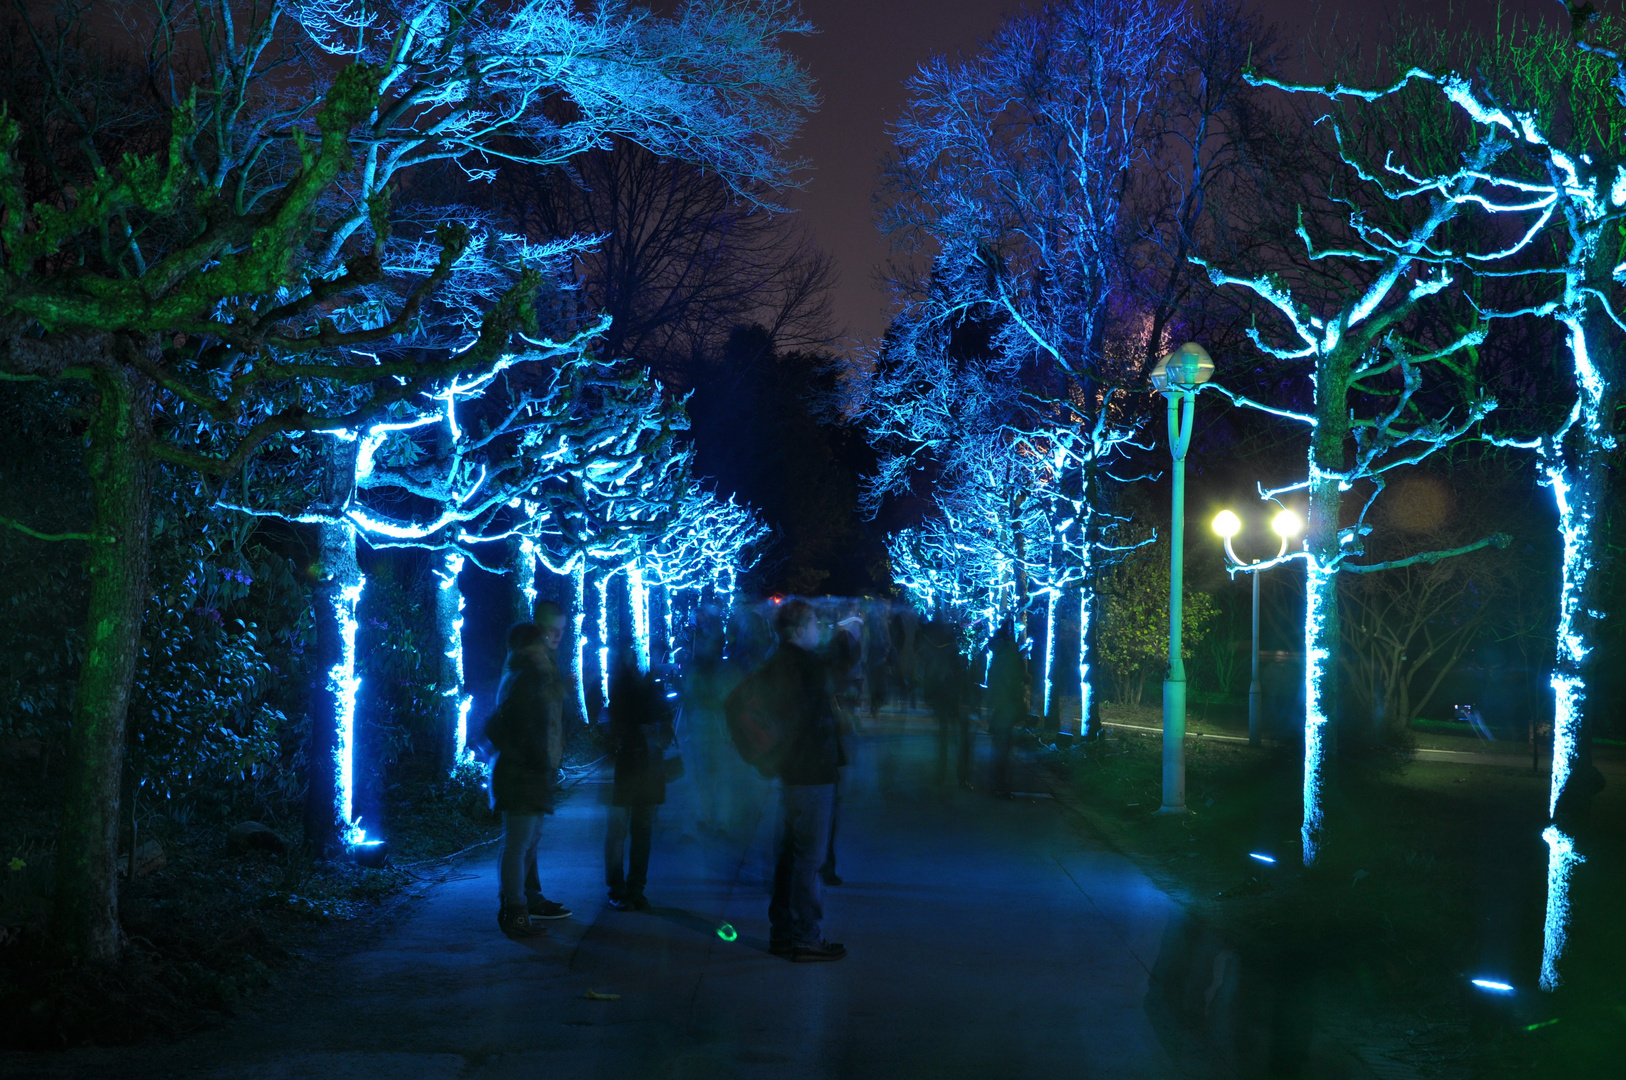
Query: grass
[{"x": 1431, "y": 874}]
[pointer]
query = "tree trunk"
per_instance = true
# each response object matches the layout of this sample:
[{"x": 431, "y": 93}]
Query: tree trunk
[
  {"x": 1578, "y": 471},
  {"x": 85, "y": 918},
  {"x": 520, "y": 581},
  {"x": 1327, "y": 448},
  {"x": 453, "y": 725},
  {"x": 328, "y": 807}
]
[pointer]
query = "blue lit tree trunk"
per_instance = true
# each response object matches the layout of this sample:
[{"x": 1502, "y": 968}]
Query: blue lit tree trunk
[
  {"x": 453, "y": 718},
  {"x": 330, "y": 746}
]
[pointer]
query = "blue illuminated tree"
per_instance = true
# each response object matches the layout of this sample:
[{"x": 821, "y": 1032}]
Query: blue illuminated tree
[
  {"x": 208, "y": 271},
  {"x": 1019, "y": 180},
  {"x": 1385, "y": 336},
  {"x": 1558, "y": 102}
]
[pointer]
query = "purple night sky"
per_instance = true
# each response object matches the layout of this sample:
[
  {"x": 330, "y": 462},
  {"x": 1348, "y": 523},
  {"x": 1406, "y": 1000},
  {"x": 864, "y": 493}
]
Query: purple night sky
[{"x": 865, "y": 51}]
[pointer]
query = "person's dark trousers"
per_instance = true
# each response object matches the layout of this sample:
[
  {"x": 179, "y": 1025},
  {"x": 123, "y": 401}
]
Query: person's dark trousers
[
  {"x": 827, "y": 869},
  {"x": 627, "y": 872},
  {"x": 796, "y": 914},
  {"x": 950, "y": 728},
  {"x": 533, "y": 881},
  {"x": 1002, "y": 732}
]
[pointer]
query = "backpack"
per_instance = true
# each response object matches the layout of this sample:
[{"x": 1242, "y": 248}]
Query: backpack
[{"x": 756, "y": 713}]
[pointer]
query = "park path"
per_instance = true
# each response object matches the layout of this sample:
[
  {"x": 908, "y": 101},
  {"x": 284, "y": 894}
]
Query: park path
[{"x": 986, "y": 939}]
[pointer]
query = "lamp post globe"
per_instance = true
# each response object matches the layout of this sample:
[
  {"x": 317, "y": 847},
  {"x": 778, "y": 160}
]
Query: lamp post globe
[{"x": 1178, "y": 376}]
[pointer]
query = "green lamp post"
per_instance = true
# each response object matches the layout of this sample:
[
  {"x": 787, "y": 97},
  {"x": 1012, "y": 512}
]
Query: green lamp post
[{"x": 1179, "y": 377}]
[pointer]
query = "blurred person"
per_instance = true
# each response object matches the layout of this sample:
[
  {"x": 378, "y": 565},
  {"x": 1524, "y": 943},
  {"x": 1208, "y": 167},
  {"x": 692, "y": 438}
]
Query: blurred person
[
  {"x": 947, "y": 684},
  {"x": 526, "y": 731},
  {"x": 810, "y": 756},
  {"x": 640, "y": 730},
  {"x": 1007, "y": 701},
  {"x": 551, "y": 618}
]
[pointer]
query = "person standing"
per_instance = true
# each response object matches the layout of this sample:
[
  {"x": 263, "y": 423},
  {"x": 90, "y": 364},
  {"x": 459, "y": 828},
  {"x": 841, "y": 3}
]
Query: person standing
[
  {"x": 1007, "y": 701},
  {"x": 551, "y": 618},
  {"x": 530, "y": 705},
  {"x": 947, "y": 681},
  {"x": 640, "y": 729},
  {"x": 808, "y": 767}
]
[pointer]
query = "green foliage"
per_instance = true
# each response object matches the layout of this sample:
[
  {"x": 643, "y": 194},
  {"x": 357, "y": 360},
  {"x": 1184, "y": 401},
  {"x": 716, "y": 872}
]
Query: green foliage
[
  {"x": 222, "y": 634},
  {"x": 1134, "y": 636}
]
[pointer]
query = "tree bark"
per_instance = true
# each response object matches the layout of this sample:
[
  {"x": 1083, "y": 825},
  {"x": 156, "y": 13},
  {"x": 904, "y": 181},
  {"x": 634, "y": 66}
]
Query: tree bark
[
  {"x": 449, "y": 647},
  {"x": 331, "y": 705},
  {"x": 1579, "y": 472},
  {"x": 1327, "y": 449},
  {"x": 85, "y": 920}
]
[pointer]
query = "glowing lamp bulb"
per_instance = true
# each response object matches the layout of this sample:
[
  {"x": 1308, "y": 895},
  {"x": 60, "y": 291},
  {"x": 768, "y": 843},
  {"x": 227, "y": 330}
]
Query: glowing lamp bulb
[
  {"x": 1227, "y": 524},
  {"x": 1287, "y": 524}
]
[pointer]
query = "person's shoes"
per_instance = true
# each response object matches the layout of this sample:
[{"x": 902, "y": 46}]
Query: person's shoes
[
  {"x": 823, "y": 952},
  {"x": 540, "y": 907},
  {"x": 638, "y": 901},
  {"x": 621, "y": 902},
  {"x": 830, "y": 877},
  {"x": 516, "y": 922},
  {"x": 781, "y": 947}
]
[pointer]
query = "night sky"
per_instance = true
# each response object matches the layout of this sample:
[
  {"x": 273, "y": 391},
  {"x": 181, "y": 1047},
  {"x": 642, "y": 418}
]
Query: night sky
[{"x": 866, "y": 50}]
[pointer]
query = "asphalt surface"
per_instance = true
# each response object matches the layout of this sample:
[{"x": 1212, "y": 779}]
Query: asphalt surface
[{"x": 986, "y": 939}]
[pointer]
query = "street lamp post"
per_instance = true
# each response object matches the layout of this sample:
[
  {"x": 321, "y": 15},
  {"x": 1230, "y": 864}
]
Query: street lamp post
[
  {"x": 1179, "y": 377},
  {"x": 1285, "y": 524}
]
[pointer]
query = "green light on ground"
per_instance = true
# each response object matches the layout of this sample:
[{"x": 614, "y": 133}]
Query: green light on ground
[
  {"x": 727, "y": 932},
  {"x": 1544, "y": 1023}
]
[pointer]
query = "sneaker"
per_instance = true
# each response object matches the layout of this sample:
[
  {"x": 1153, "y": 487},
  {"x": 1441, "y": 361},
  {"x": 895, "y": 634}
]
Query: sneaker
[
  {"x": 830, "y": 877},
  {"x": 813, "y": 954},
  {"x": 540, "y": 907},
  {"x": 620, "y": 902},
  {"x": 516, "y": 923},
  {"x": 638, "y": 901}
]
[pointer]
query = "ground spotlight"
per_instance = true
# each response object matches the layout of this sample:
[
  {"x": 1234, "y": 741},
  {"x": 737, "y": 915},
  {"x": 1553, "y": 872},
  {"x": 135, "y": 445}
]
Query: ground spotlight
[
  {"x": 1262, "y": 858},
  {"x": 370, "y": 853},
  {"x": 1493, "y": 986}
]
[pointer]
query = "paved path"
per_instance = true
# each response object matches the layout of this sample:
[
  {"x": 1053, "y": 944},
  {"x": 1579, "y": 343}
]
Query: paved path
[{"x": 987, "y": 939}]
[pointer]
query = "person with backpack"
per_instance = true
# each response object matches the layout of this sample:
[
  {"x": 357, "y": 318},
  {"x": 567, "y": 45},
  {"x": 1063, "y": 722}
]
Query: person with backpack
[{"x": 783, "y": 717}]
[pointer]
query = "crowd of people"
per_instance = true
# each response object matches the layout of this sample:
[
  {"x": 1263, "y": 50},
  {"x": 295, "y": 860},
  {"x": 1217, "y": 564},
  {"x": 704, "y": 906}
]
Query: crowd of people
[{"x": 813, "y": 669}]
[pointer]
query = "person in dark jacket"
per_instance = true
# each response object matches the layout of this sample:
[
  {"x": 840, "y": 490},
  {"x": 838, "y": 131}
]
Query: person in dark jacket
[
  {"x": 530, "y": 708},
  {"x": 640, "y": 729},
  {"x": 807, "y": 772},
  {"x": 1007, "y": 701}
]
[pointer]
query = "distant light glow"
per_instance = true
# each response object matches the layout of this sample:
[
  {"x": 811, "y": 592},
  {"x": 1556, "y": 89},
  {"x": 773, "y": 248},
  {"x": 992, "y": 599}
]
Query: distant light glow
[
  {"x": 345, "y": 684},
  {"x": 1561, "y": 861},
  {"x": 1260, "y": 857},
  {"x": 1227, "y": 524},
  {"x": 1493, "y": 986},
  {"x": 1287, "y": 524}
]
